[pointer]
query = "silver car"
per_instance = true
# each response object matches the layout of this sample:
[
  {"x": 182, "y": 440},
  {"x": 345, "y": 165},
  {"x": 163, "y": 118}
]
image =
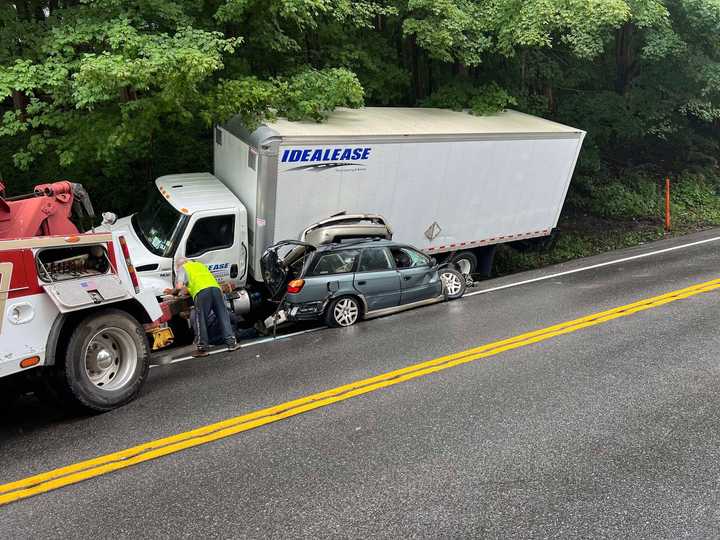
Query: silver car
[{"x": 345, "y": 282}]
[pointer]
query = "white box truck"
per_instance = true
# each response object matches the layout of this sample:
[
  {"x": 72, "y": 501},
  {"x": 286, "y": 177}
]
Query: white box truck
[{"x": 449, "y": 183}]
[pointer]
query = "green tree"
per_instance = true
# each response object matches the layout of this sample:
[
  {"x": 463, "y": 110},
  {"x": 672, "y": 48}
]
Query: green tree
[
  {"x": 119, "y": 91},
  {"x": 115, "y": 85}
]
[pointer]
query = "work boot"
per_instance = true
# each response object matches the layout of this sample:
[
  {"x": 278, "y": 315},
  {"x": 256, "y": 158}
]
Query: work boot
[{"x": 200, "y": 353}]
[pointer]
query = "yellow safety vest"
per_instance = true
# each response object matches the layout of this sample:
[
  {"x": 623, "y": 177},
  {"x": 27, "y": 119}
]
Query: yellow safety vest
[{"x": 198, "y": 277}]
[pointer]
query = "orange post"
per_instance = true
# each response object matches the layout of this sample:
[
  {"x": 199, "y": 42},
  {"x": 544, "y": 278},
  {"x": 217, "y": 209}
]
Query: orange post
[{"x": 667, "y": 204}]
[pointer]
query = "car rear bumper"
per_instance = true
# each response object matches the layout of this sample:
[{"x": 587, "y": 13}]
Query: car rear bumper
[{"x": 305, "y": 311}]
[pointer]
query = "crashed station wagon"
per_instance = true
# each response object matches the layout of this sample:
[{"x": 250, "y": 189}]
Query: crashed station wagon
[{"x": 342, "y": 283}]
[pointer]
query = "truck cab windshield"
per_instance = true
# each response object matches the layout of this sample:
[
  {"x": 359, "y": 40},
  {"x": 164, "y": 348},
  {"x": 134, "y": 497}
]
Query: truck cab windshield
[{"x": 159, "y": 225}]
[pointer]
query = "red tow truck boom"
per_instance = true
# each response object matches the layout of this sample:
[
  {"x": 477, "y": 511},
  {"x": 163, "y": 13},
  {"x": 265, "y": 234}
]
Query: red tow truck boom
[{"x": 47, "y": 211}]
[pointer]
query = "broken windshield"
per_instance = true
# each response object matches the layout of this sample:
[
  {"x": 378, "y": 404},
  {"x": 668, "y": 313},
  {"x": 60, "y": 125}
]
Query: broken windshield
[{"x": 159, "y": 225}]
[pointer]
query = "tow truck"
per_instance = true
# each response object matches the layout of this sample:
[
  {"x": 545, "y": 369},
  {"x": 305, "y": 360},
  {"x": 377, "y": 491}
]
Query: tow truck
[{"x": 75, "y": 322}]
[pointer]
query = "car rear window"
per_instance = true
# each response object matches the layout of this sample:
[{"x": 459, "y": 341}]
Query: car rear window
[{"x": 335, "y": 262}]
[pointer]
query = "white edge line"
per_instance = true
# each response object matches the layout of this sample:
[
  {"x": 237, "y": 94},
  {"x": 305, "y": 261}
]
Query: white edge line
[
  {"x": 592, "y": 267},
  {"x": 484, "y": 291},
  {"x": 244, "y": 345}
]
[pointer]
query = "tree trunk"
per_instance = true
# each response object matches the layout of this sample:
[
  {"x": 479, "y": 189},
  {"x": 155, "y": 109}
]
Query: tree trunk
[
  {"x": 415, "y": 69},
  {"x": 550, "y": 96},
  {"x": 128, "y": 94},
  {"x": 20, "y": 103},
  {"x": 625, "y": 64}
]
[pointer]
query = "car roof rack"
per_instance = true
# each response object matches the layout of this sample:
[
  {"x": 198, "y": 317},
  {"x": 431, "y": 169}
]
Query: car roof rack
[{"x": 354, "y": 241}]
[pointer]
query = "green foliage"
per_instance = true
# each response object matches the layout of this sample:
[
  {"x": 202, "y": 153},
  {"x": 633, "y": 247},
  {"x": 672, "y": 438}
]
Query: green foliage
[
  {"x": 574, "y": 244},
  {"x": 448, "y": 29},
  {"x": 106, "y": 87},
  {"x": 313, "y": 94},
  {"x": 115, "y": 92},
  {"x": 485, "y": 99},
  {"x": 465, "y": 30},
  {"x": 310, "y": 94},
  {"x": 102, "y": 82},
  {"x": 625, "y": 200}
]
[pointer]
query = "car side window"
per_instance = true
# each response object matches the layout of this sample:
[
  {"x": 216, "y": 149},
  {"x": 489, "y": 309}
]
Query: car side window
[
  {"x": 335, "y": 262},
  {"x": 210, "y": 233},
  {"x": 375, "y": 259},
  {"x": 408, "y": 258}
]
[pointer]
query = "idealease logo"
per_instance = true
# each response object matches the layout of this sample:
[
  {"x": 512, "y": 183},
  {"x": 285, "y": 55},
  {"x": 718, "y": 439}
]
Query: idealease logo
[
  {"x": 320, "y": 155},
  {"x": 323, "y": 159}
]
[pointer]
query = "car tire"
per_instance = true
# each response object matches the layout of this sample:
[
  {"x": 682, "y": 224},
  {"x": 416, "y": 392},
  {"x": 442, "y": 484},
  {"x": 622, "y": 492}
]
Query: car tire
[
  {"x": 343, "y": 311},
  {"x": 107, "y": 362},
  {"x": 465, "y": 261},
  {"x": 454, "y": 283}
]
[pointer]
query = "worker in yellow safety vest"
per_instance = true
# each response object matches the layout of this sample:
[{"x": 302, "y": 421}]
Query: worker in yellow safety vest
[{"x": 195, "y": 278}]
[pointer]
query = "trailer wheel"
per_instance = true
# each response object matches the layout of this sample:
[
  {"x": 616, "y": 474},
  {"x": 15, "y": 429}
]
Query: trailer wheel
[
  {"x": 107, "y": 361},
  {"x": 466, "y": 261}
]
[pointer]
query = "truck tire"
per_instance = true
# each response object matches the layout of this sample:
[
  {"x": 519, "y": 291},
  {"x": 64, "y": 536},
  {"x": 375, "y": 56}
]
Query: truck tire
[
  {"x": 343, "y": 311},
  {"x": 466, "y": 262},
  {"x": 107, "y": 361},
  {"x": 454, "y": 283}
]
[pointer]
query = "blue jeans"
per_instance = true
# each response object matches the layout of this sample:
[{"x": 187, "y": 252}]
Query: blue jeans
[{"x": 209, "y": 305}]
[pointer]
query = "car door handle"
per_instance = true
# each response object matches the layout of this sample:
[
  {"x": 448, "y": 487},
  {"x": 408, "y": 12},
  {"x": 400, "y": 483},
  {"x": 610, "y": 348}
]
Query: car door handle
[
  {"x": 363, "y": 282},
  {"x": 407, "y": 278}
]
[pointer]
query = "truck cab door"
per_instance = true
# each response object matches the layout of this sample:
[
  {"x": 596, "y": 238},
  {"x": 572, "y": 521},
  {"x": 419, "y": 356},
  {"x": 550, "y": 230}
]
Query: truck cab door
[{"x": 215, "y": 239}]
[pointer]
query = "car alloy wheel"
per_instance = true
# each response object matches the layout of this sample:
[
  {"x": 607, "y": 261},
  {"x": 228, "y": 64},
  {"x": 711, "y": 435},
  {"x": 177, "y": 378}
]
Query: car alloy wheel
[
  {"x": 346, "y": 312},
  {"x": 453, "y": 283}
]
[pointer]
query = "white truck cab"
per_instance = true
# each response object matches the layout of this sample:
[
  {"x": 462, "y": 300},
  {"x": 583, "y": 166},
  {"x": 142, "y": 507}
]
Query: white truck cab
[{"x": 190, "y": 215}]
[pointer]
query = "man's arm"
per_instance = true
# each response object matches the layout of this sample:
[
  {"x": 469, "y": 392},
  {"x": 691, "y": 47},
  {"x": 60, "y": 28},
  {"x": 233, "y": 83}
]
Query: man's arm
[{"x": 180, "y": 285}]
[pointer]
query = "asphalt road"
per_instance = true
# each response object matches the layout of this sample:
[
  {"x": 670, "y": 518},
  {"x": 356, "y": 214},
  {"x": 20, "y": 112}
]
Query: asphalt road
[{"x": 609, "y": 431}]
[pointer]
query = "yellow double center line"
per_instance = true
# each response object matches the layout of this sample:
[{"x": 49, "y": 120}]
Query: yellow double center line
[{"x": 78, "y": 472}]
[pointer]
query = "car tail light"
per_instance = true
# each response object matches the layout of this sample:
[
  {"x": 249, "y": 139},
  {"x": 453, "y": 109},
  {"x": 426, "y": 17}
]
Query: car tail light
[
  {"x": 295, "y": 286},
  {"x": 128, "y": 263}
]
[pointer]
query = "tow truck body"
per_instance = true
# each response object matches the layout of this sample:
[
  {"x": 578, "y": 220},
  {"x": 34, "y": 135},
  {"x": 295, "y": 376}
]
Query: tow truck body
[{"x": 74, "y": 319}]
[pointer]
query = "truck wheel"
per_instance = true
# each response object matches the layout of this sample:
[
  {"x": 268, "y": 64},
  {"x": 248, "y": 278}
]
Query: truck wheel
[
  {"x": 343, "y": 311},
  {"x": 454, "y": 283},
  {"x": 107, "y": 361},
  {"x": 466, "y": 261}
]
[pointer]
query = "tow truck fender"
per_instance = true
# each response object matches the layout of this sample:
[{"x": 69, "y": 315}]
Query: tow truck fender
[
  {"x": 54, "y": 337},
  {"x": 63, "y": 325}
]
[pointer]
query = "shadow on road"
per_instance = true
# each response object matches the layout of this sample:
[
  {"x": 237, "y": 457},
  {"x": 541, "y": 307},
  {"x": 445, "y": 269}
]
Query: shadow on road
[{"x": 30, "y": 414}]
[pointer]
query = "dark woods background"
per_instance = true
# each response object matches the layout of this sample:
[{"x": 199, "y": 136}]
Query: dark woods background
[{"x": 113, "y": 93}]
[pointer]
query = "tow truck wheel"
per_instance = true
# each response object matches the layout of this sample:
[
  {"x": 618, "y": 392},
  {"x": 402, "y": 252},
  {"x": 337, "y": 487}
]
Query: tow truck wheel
[{"x": 107, "y": 361}]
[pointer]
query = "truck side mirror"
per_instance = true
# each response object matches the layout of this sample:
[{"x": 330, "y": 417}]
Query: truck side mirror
[{"x": 433, "y": 261}]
